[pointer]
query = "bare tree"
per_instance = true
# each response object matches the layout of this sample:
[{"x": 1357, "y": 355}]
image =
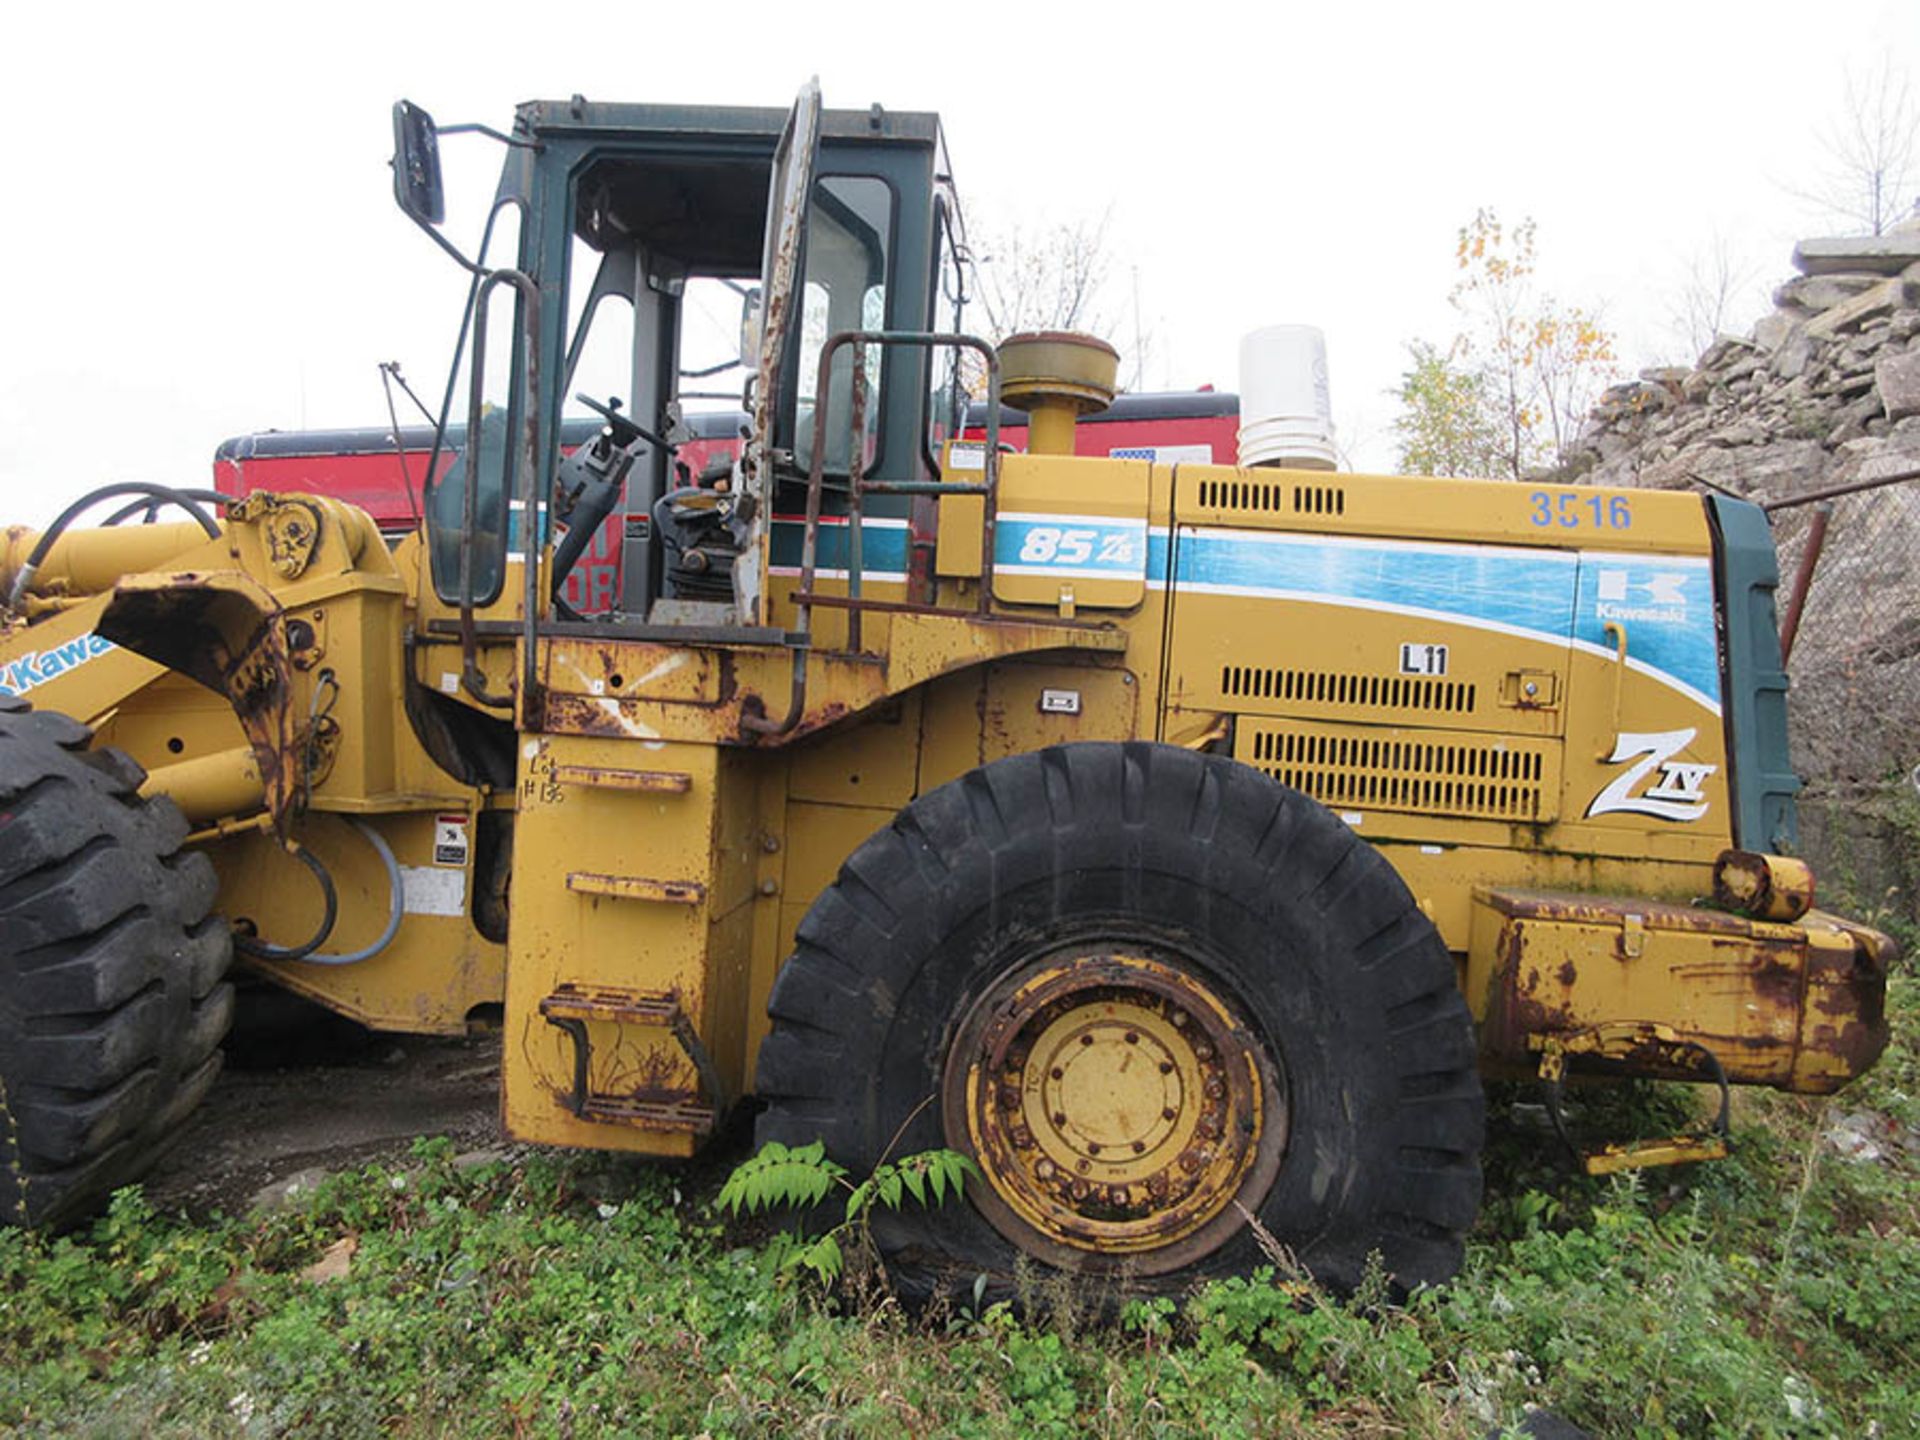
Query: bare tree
[
  {"x": 1710, "y": 297},
  {"x": 1049, "y": 279},
  {"x": 1059, "y": 276},
  {"x": 1871, "y": 151}
]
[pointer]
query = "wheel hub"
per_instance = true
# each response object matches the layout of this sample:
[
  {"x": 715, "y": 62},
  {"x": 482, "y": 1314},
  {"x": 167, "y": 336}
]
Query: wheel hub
[{"x": 1117, "y": 1105}]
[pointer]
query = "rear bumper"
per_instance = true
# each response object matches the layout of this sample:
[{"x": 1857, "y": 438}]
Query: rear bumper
[{"x": 1799, "y": 1006}]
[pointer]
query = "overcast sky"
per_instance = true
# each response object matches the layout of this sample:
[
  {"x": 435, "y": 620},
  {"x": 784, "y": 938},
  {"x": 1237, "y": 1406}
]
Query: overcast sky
[{"x": 200, "y": 239}]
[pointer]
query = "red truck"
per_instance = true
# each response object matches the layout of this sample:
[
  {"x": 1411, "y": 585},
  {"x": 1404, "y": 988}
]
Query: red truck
[{"x": 364, "y": 467}]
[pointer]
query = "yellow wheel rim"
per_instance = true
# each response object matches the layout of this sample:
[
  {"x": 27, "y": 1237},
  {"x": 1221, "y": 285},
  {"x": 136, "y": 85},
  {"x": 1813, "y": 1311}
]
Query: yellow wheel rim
[{"x": 1118, "y": 1105}]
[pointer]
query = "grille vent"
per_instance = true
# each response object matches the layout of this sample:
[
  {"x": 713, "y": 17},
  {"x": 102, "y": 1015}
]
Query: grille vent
[
  {"x": 1271, "y": 497},
  {"x": 1326, "y": 687},
  {"x": 1319, "y": 500},
  {"x": 1413, "y": 771}
]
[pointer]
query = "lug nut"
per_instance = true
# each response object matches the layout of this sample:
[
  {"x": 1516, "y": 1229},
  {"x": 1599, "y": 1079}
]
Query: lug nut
[
  {"x": 1060, "y": 1119},
  {"x": 1044, "y": 1169},
  {"x": 1166, "y": 1067},
  {"x": 1139, "y": 1147},
  {"x": 1057, "y": 1073},
  {"x": 1167, "y": 1114},
  {"x": 1009, "y": 1098},
  {"x": 1086, "y": 1039},
  {"x": 1093, "y": 1147},
  {"x": 1133, "y": 1037},
  {"x": 1023, "y": 1138},
  {"x": 1203, "y": 1050}
]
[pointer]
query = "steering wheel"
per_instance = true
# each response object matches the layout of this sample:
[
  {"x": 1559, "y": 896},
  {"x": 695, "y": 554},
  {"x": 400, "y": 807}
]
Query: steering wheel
[{"x": 625, "y": 429}]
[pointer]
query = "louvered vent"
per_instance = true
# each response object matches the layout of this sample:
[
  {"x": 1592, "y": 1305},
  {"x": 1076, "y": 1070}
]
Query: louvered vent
[
  {"x": 1319, "y": 500},
  {"x": 1251, "y": 496},
  {"x": 1419, "y": 772},
  {"x": 1326, "y": 687}
]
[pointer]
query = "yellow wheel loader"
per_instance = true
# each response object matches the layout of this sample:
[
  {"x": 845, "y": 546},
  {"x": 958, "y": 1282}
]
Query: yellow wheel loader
[{"x": 1181, "y": 842}]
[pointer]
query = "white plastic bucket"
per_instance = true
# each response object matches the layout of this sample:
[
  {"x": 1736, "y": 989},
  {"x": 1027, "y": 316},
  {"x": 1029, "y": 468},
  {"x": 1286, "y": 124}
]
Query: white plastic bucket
[{"x": 1286, "y": 413}]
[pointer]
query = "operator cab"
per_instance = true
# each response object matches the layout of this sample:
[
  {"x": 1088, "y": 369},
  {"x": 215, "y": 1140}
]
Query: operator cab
[{"x": 671, "y": 285}]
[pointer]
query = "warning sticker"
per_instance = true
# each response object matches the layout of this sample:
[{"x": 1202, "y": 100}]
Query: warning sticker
[
  {"x": 433, "y": 892},
  {"x": 450, "y": 839}
]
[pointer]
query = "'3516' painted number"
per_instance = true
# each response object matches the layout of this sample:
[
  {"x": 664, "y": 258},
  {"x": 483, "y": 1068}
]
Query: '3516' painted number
[{"x": 1570, "y": 510}]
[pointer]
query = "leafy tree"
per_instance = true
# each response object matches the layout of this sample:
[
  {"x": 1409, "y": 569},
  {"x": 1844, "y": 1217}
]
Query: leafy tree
[
  {"x": 1446, "y": 424},
  {"x": 1510, "y": 392}
]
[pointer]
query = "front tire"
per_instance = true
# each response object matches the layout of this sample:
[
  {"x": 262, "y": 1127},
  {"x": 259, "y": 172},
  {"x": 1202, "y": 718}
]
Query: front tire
[
  {"x": 1142, "y": 987},
  {"x": 112, "y": 998}
]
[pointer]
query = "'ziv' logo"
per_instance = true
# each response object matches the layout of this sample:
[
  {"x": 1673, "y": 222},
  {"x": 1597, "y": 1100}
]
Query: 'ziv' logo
[{"x": 1676, "y": 795}]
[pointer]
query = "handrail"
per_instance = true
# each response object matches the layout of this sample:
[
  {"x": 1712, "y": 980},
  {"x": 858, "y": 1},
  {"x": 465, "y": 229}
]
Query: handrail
[
  {"x": 857, "y": 483},
  {"x": 858, "y": 486},
  {"x": 471, "y": 676}
]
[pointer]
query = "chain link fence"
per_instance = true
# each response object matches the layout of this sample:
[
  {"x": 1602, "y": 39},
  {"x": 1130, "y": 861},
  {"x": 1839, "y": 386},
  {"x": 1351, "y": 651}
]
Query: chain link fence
[{"x": 1854, "y": 710}]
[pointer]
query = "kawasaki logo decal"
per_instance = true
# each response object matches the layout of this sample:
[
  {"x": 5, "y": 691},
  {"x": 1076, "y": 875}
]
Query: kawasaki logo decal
[{"x": 37, "y": 667}]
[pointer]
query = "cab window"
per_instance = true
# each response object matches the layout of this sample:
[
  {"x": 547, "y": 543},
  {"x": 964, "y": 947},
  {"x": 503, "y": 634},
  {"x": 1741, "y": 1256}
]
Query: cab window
[{"x": 845, "y": 288}]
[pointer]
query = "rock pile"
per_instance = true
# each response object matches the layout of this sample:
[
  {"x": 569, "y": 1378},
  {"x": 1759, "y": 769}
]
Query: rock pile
[{"x": 1823, "y": 392}]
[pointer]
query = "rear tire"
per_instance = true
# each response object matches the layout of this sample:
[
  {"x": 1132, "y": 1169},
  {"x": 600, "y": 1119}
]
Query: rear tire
[
  {"x": 113, "y": 1001},
  {"x": 1101, "y": 905}
]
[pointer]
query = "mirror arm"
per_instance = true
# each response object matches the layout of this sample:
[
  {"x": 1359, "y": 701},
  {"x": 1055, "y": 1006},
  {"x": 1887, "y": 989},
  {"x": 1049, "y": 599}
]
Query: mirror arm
[
  {"x": 471, "y": 267},
  {"x": 471, "y": 128}
]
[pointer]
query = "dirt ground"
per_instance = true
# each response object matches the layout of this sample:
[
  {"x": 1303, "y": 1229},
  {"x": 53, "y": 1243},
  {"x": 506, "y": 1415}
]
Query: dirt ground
[{"x": 305, "y": 1093}]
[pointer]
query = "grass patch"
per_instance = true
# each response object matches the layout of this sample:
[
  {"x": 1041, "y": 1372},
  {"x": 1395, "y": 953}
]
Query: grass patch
[{"x": 1776, "y": 1293}]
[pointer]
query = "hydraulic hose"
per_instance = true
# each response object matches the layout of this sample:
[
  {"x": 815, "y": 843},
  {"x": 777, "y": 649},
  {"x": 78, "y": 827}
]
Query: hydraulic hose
[
  {"x": 262, "y": 950},
  {"x": 396, "y": 909},
  {"x": 152, "y": 505},
  {"x": 164, "y": 493}
]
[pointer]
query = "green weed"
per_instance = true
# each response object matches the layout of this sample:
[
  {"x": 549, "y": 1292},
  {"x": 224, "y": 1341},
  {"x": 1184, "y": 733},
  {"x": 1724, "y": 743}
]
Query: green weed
[{"x": 1772, "y": 1294}]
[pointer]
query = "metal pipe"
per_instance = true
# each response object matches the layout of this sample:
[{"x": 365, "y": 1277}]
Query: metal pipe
[
  {"x": 856, "y": 473},
  {"x": 1803, "y": 578},
  {"x": 1834, "y": 492}
]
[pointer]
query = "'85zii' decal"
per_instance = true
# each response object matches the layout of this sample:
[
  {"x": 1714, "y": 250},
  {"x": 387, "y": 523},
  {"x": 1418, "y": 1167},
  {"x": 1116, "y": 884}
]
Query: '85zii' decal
[{"x": 1676, "y": 795}]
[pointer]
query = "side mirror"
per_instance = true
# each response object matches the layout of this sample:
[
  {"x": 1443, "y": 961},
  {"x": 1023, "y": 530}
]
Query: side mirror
[{"x": 416, "y": 164}]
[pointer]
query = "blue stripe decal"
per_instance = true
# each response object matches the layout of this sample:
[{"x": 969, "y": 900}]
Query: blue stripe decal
[
  {"x": 1531, "y": 591},
  {"x": 517, "y": 524},
  {"x": 883, "y": 548},
  {"x": 1665, "y": 602}
]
